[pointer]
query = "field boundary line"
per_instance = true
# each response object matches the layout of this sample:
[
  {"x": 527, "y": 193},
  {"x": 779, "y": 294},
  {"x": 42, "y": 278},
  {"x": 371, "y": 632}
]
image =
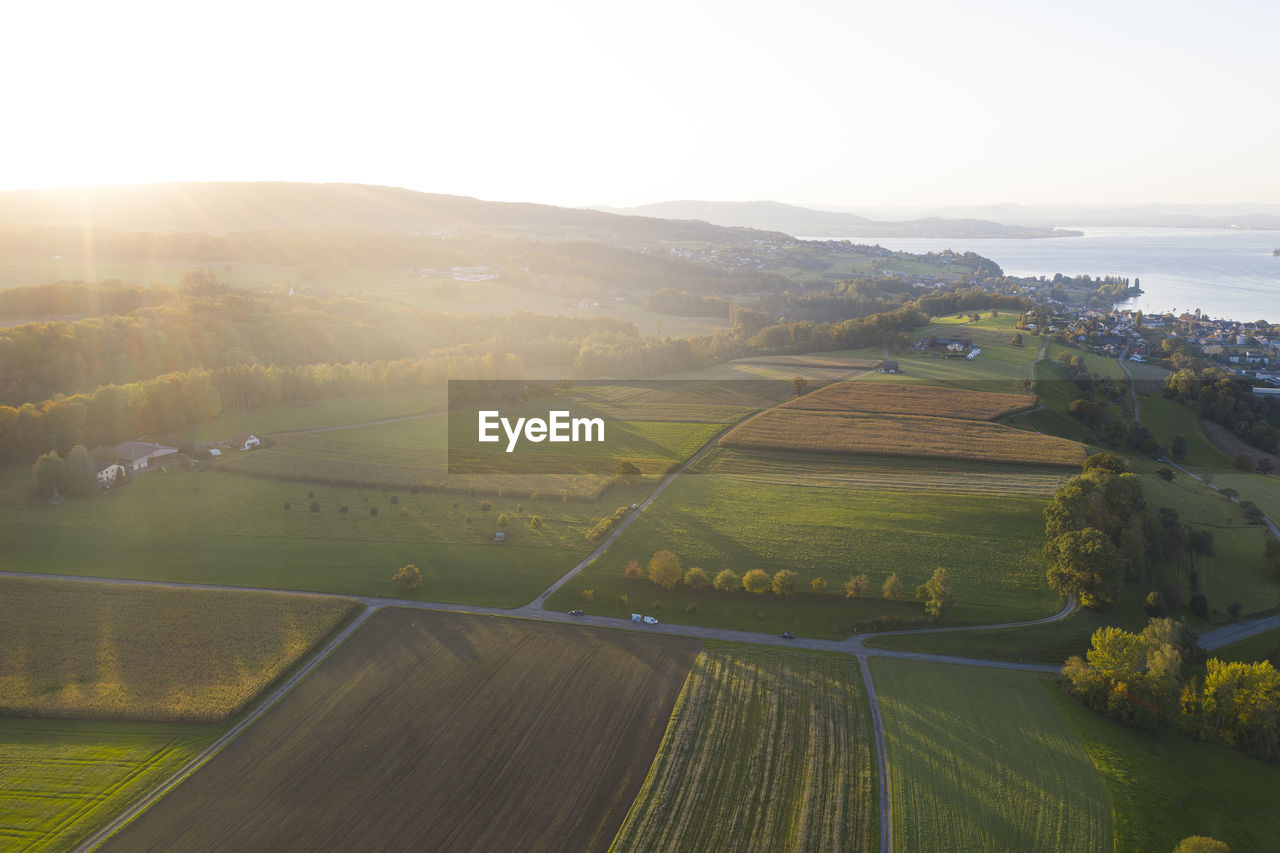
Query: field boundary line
[
  {"x": 177, "y": 778},
  {"x": 882, "y": 758}
]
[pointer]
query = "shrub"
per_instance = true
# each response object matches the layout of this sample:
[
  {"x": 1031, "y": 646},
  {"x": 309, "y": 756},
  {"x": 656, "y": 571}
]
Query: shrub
[
  {"x": 413, "y": 490},
  {"x": 856, "y": 586},
  {"x": 485, "y": 506},
  {"x": 287, "y": 505},
  {"x": 1199, "y": 605},
  {"x": 1165, "y": 473},
  {"x": 589, "y": 594},
  {"x": 535, "y": 523},
  {"x": 624, "y": 599},
  {"x": 1154, "y": 605},
  {"x": 373, "y": 512},
  {"x": 892, "y": 587},
  {"x": 408, "y": 576},
  {"x": 1233, "y": 610},
  {"x": 395, "y": 499},
  {"x": 756, "y": 582},
  {"x": 726, "y": 581},
  {"x": 633, "y": 570},
  {"x": 697, "y": 578},
  {"x": 1242, "y": 462},
  {"x": 818, "y": 585},
  {"x": 315, "y": 506},
  {"x": 519, "y": 509},
  {"x": 343, "y": 510},
  {"x": 784, "y": 582},
  {"x": 692, "y": 608},
  {"x": 664, "y": 569},
  {"x": 502, "y": 519},
  {"x": 311, "y": 494}
]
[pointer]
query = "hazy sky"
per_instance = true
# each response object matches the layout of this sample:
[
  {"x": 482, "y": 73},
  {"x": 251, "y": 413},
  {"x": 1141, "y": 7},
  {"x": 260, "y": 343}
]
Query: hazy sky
[{"x": 838, "y": 103}]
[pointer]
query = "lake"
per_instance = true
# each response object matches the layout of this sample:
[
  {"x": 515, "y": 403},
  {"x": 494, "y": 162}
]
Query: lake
[{"x": 1223, "y": 272}]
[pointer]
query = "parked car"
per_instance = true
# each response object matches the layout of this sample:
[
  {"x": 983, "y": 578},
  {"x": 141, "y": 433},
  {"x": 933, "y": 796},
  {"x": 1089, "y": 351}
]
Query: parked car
[
  {"x": 649, "y": 620},
  {"x": 575, "y": 612},
  {"x": 787, "y": 635}
]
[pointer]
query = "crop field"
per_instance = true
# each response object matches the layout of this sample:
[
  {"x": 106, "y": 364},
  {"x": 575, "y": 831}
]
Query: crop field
[
  {"x": 893, "y": 473},
  {"x": 1165, "y": 787},
  {"x": 766, "y": 750},
  {"x": 705, "y": 400},
  {"x": 408, "y": 453},
  {"x": 990, "y": 546},
  {"x": 186, "y": 525},
  {"x": 72, "y": 649},
  {"x": 509, "y": 735},
  {"x": 892, "y": 399},
  {"x": 902, "y": 435},
  {"x": 823, "y": 367},
  {"x": 62, "y": 779},
  {"x": 984, "y": 759}
]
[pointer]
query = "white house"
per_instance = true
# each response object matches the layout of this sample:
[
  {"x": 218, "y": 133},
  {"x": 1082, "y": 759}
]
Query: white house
[{"x": 138, "y": 455}]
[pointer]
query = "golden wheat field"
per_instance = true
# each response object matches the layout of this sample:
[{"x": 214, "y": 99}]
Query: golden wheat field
[
  {"x": 893, "y": 399},
  {"x": 902, "y": 435},
  {"x": 104, "y": 651}
]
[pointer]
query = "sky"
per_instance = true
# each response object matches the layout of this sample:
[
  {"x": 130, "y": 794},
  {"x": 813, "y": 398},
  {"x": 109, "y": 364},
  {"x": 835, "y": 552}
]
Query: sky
[{"x": 822, "y": 103}]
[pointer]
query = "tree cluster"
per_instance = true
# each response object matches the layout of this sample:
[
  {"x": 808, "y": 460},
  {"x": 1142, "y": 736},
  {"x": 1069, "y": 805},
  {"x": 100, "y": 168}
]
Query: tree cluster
[
  {"x": 1228, "y": 400},
  {"x": 1154, "y": 680}
]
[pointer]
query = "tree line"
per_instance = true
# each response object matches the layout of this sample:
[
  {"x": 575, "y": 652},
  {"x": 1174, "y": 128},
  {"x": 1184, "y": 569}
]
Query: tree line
[
  {"x": 1229, "y": 401},
  {"x": 1158, "y": 679}
]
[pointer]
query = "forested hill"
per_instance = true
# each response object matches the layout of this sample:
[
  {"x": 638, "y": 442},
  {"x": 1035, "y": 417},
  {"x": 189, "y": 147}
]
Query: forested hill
[
  {"x": 222, "y": 207},
  {"x": 805, "y": 222}
]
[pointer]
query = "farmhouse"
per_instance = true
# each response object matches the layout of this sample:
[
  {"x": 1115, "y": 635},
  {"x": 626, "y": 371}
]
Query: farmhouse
[
  {"x": 138, "y": 455},
  {"x": 889, "y": 367}
]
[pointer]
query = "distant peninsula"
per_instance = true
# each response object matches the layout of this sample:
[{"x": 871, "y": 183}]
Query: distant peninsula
[{"x": 806, "y": 222}]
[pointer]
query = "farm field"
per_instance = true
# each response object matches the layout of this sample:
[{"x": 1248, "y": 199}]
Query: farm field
[
  {"x": 766, "y": 750},
  {"x": 84, "y": 650},
  {"x": 317, "y": 414},
  {"x": 990, "y": 546},
  {"x": 1164, "y": 787},
  {"x": 62, "y": 779},
  {"x": 1263, "y": 490},
  {"x": 1001, "y": 367},
  {"x": 892, "y": 399},
  {"x": 1167, "y": 418},
  {"x": 408, "y": 453},
  {"x": 902, "y": 435},
  {"x": 511, "y": 735},
  {"x": 984, "y": 759},
  {"x": 891, "y": 473},
  {"x": 816, "y": 367},
  {"x": 1050, "y": 643}
]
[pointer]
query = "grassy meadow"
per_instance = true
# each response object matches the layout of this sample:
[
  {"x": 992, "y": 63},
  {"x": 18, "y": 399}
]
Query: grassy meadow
[
  {"x": 83, "y": 650},
  {"x": 767, "y": 749},
  {"x": 1164, "y": 787},
  {"x": 318, "y": 414},
  {"x": 984, "y": 759},
  {"x": 990, "y": 545},
  {"x": 511, "y": 735},
  {"x": 60, "y": 780}
]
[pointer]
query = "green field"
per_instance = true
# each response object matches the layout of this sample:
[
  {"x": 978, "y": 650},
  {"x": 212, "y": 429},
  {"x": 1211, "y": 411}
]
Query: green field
[
  {"x": 435, "y": 731},
  {"x": 1165, "y": 787},
  {"x": 983, "y": 759},
  {"x": 766, "y": 750},
  {"x": 990, "y": 545},
  {"x": 1000, "y": 368},
  {"x": 115, "y": 651},
  {"x": 1051, "y": 643},
  {"x": 61, "y": 780},
  {"x": 317, "y": 414}
]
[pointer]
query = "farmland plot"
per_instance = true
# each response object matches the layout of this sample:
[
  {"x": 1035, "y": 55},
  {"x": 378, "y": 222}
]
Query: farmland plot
[
  {"x": 893, "y": 399},
  {"x": 78, "y": 649},
  {"x": 439, "y": 731},
  {"x": 984, "y": 759},
  {"x": 766, "y": 750},
  {"x": 902, "y": 435},
  {"x": 62, "y": 779}
]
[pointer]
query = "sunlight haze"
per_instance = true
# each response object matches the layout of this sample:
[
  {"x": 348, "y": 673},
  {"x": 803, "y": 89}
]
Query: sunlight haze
[{"x": 586, "y": 103}]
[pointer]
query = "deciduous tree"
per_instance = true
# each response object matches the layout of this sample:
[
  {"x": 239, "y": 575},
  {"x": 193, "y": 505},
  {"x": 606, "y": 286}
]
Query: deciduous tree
[
  {"x": 756, "y": 582},
  {"x": 408, "y": 576},
  {"x": 665, "y": 570}
]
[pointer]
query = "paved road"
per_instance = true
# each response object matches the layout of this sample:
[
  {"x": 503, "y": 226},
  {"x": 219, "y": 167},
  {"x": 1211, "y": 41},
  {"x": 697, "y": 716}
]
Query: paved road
[
  {"x": 1237, "y": 631},
  {"x": 1133, "y": 388}
]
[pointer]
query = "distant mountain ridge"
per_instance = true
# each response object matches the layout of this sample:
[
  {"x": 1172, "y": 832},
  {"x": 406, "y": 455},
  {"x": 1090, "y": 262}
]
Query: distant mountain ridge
[
  {"x": 243, "y": 206},
  {"x": 1155, "y": 215},
  {"x": 807, "y": 222}
]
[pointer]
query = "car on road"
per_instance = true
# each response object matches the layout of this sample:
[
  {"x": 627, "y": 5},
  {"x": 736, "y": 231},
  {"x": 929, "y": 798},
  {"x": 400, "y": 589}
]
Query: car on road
[
  {"x": 787, "y": 635},
  {"x": 575, "y": 612},
  {"x": 649, "y": 620}
]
